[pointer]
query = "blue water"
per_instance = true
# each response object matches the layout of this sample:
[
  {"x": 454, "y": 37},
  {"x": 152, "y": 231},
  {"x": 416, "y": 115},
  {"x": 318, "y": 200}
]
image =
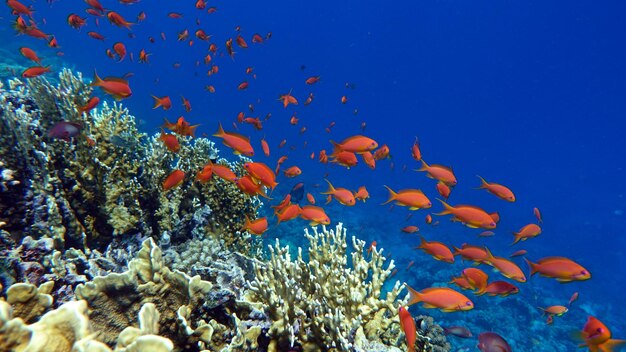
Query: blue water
[{"x": 528, "y": 94}]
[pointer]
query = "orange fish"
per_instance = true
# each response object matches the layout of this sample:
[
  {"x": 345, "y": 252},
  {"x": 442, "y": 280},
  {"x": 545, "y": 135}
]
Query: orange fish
[
  {"x": 240, "y": 144},
  {"x": 538, "y": 215},
  {"x": 91, "y": 104},
  {"x": 288, "y": 99},
  {"x": 164, "y": 102},
  {"x": 241, "y": 42},
  {"x": 120, "y": 50},
  {"x": 315, "y": 215},
  {"x": 436, "y": 249},
  {"x": 597, "y": 336},
  {"x": 35, "y": 71},
  {"x": 469, "y": 215},
  {"x": 369, "y": 160},
  {"x": 428, "y": 219},
  {"x": 143, "y": 56},
  {"x": 381, "y": 153},
  {"x": 526, "y": 232},
  {"x": 75, "y": 21},
  {"x": 95, "y": 4},
  {"x": 310, "y": 198},
  {"x": 477, "y": 278},
  {"x": 362, "y": 194},
  {"x": 170, "y": 141},
  {"x": 255, "y": 227},
  {"x": 292, "y": 171},
  {"x": 505, "y": 267},
  {"x": 30, "y": 54},
  {"x": 257, "y": 38},
  {"x": 249, "y": 186},
  {"x": 356, "y": 144},
  {"x": 344, "y": 99},
  {"x": 410, "y": 229},
  {"x": 573, "y": 298},
  {"x": 173, "y": 180},
  {"x": 294, "y": 119},
  {"x": 554, "y": 310},
  {"x": 175, "y": 15},
  {"x": 342, "y": 195},
  {"x": 498, "y": 190},
  {"x": 261, "y": 172},
  {"x": 20, "y": 9},
  {"x": 440, "y": 173},
  {"x": 344, "y": 158},
  {"x": 116, "y": 19},
  {"x": 265, "y": 147},
  {"x": 224, "y": 172},
  {"x": 186, "y": 104},
  {"x": 312, "y": 80},
  {"x": 243, "y": 85},
  {"x": 181, "y": 127},
  {"x": 412, "y": 198},
  {"x": 116, "y": 87},
  {"x": 416, "y": 153},
  {"x": 518, "y": 253},
  {"x": 322, "y": 157},
  {"x": 500, "y": 288},
  {"x": 289, "y": 212},
  {"x": 205, "y": 174},
  {"x": 210, "y": 88},
  {"x": 461, "y": 282},
  {"x": 561, "y": 268},
  {"x": 407, "y": 323},
  {"x": 473, "y": 253},
  {"x": 446, "y": 299}
]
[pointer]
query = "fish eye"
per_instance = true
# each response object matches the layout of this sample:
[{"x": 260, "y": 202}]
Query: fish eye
[
  {"x": 492, "y": 224},
  {"x": 468, "y": 303}
]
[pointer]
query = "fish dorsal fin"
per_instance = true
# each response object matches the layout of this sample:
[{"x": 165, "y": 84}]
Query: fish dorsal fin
[{"x": 115, "y": 79}]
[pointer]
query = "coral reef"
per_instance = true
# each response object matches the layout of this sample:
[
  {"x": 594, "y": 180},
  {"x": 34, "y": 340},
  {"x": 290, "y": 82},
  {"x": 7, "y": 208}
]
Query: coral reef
[
  {"x": 106, "y": 181},
  {"x": 325, "y": 302}
]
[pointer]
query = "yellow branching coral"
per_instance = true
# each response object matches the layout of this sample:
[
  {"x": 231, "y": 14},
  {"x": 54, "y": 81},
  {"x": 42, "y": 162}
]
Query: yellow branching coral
[{"x": 326, "y": 302}]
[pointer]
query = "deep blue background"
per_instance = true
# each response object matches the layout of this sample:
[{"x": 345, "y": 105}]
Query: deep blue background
[{"x": 528, "y": 94}]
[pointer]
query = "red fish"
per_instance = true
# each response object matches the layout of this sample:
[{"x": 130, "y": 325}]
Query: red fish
[
  {"x": 312, "y": 80},
  {"x": 440, "y": 173},
  {"x": 492, "y": 342},
  {"x": 446, "y": 299},
  {"x": 120, "y": 50},
  {"x": 170, "y": 141},
  {"x": 437, "y": 250},
  {"x": 469, "y": 215},
  {"x": 597, "y": 336},
  {"x": 163, "y": 102},
  {"x": 407, "y": 323},
  {"x": 91, "y": 104},
  {"x": 412, "y": 198},
  {"x": 116, "y": 87},
  {"x": 356, "y": 144},
  {"x": 35, "y": 71},
  {"x": 342, "y": 195},
  {"x": 255, "y": 227},
  {"x": 498, "y": 190},
  {"x": 315, "y": 215},
  {"x": 538, "y": 215},
  {"x": 239, "y": 143},
  {"x": 561, "y": 268},
  {"x": 500, "y": 288},
  {"x": 293, "y": 171},
  {"x": 173, "y": 180},
  {"x": 526, "y": 232},
  {"x": 75, "y": 21},
  {"x": 288, "y": 99},
  {"x": 116, "y": 19},
  {"x": 415, "y": 150}
]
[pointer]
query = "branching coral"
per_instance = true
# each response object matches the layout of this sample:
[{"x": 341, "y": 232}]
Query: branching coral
[{"x": 326, "y": 302}]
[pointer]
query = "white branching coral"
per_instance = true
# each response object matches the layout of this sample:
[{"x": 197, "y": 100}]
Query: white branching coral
[{"x": 328, "y": 302}]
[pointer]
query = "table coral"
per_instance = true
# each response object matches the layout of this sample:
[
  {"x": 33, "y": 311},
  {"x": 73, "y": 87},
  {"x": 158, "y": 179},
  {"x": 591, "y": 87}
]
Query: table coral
[{"x": 327, "y": 302}]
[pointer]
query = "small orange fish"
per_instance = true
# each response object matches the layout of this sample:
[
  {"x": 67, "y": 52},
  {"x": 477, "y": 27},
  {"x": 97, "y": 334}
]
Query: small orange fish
[
  {"x": 369, "y": 160},
  {"x": 170, "y": 141},
  {"x": 204, "y": 175},
  {"x": 410, "y": 229},
  {"x": 181, "y": 127},
  {"x": 261, "y": 172},
  {"x": 143, "y": 56},
  {"x": 310, "y": 198},
  {"x": 344, "y": 158},
  {"x": 239, "y": 143},
  {"x": 186, "y": 104},
  {"x": 498, "y": 190},
  {"x": 163, "y": 102},
  {"x": 415, "y": 150},
  {"x": 315, "y": 215},
  {"x": 289, "y": 212},
  {"x": 91, "y": 104},
  {"x": 526, "y": 232},
  {"x": 35, "y": 71},
  {"x": 538, "y": 215},
  {"x": 243, "y": 85},
  {"x": 173, "y": 180},
  {"x": 292, "y": 171},
  {"x": 440, "y": 173},
  {"x": 265, "y": 147},
  {"x": 573, "y": 298},
  {"x": 30, "y": 54},
  {"x": 312, "y": 80},
  {"x": 429, "y": 219},
  {"x": 342, "y": 195},
  {"x": 477, "y": 278},
  {"x": 437, "y": 250},
  {"x": 473, "y": 253},
  {"x": 255, "y": 227},
  {"x": 76, "y": 21},
  {"x": 505, "y": 267},
  {"x": 241, "y": 42},
  {"x": 361, "y": 194},
  {"x": 381, "y": 153},
  {"x": 412, "y": 198},
  {"x": 356, "y": 144},
  {"x": 322, "y": 157},
  {"x": 518, "y": 253},
  {"x": 294, "y": 119},
  {"x": 257, "y": 38},
  {"x": 560, "y": 268},
  {"x": 554, "y": 310},
  {"x": 288, "y": 99},
  {"x": 469, "y": 215},
  {"x": 116, "y": 87},
  {"x": 446, "y": 299},
  {"x": 116, "y": 19},
  {"x": 344, "y": 99},
  {"x": 407, "y": 323},
  {"x": 500, "y": 288},
  {"x": 210, "y": 88},
  {"x": 175, "y": 15},
  {"x": 120, "y": 50}
]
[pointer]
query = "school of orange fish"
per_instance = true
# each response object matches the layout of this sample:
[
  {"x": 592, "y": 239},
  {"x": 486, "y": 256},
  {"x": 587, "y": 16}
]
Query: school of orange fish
[{"x": 260, "y": 177}]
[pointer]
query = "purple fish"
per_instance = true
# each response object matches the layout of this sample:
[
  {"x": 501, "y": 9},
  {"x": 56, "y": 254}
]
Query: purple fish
[
  {"x": 459, "y": 331},
  {"x": 492, "y": 342},
  {"x": 64, "y": 130}
]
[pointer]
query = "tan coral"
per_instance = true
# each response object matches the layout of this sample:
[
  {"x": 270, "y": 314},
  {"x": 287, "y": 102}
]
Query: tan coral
[
  {"x": 320, "y": 303},
  {"x": 29, "y": 301}
]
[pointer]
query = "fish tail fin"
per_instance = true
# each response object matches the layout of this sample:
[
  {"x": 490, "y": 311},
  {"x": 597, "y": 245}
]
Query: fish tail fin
[
  {"x": 447, "y": 208},
  {"x": 96, "y": 80},
  {"x": 457, "y": 250},
  {"x": 220, "y": 131},
  {"x": 518, "y": 237},
  {"x": 157, "y": 102},
  {"x": 483, "y": 183},
  {"x": 414, "y": 296},
  {"x": 392, "y": 195},
  {"x": 331, "y": 189},
  {"x": 611, "y": 345},
  {"x": 192, "y": 130},
  {"x": 532, "y": 266},
  {"x": 424, "y": 166}
]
